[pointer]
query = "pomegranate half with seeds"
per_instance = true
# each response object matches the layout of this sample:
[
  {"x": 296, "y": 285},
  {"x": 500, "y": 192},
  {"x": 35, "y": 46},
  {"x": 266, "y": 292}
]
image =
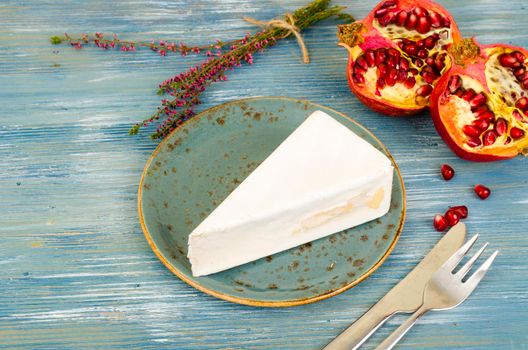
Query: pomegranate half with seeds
[
  {"x": 398, "y": 53},
  {"x": 480, "y": 107}
]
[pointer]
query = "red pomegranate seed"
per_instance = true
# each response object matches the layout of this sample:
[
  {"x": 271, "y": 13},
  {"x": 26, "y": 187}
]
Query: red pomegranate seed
[
  {"x": 404, "y": 64},
  {"x": 401, "y": 18},
  {"x": 473, "y": 142},
  {"x": 423, "y": 25},
  {"x": 411, "y": 22},
  {"x": 360, "y": 61},
  {"x": 507, "y": 60},
  {"x": 447, "y": 172},
  {"x": 461, "y": 210},
  {"x": 410, "y": 82},
  {"x": 459, "y": 92},
  {"x": 358, "y": 79},
  {"x": 518, "y": 55},
  {"x": 381, "y": 56},
  {"x": 380, "y": 83},
  {"x": 489, "y": 138},
  {"x": 481, "y": 124},
  {"x": 446, "y": 21},
  {"x": 422, "y": 53},
  {"x": 424, "y": 90},
  {"x": 383, "y": 70},
  {"x": 429, "y": 77},
  {"x": 439, "y": 64},
  {"x": 454, "y": 83},
  {"x": 522, "y": 103},
  {"x": 519, "y": 72},
  {"x": 522, "y": 76},
  {"x": 482, "y": 191},
  {"x": 470, "y": 130},
  {"x": 393, "y": 52},
  {"x": 381, "y": 12},
  {"x": 358, "y": 69},
  {"x": 439, "y": 223},
  {"x": 488, "y": 115},
  {"x": 508, "y": 140},
  {"x": 420, "y": 12},
  {"x": 430, "y": 42},
  {"x": 392, "y": 61},
  {"x": 390, "y": 80},
  {"x": 420, "y": 43},
  {"x": 478, "y": 100},
  {"x": 389, "y": 3},
  {"x": 370, "y": 57},
  {"x": 516, "y": 133},
  {"x": 500, "y": 126},
  {"x": 402, "y": 75},
  {"x": 468, "y": 95},
  {"x": 452, "y": 217},
  {"x": 480, "y": 110},
  {"x": 410, "y": 49},
  {"x": 517, "y": 115},
  {"x": 436, "y": 20},
  {"x": 430, "y": 61},
  {"x": 387, "y": 19}
]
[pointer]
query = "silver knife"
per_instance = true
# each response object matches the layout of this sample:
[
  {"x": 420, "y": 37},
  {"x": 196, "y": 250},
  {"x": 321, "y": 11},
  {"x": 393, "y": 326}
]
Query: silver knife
[{"x": 406, "y": 296}]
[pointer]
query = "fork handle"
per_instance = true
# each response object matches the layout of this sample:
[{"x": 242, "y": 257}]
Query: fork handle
[
  {"x": 358, "y": 332},
  {"x": 395, "y": 337}
]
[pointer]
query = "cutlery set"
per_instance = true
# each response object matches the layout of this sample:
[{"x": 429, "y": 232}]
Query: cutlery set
[{"x": 434, "y": 284}]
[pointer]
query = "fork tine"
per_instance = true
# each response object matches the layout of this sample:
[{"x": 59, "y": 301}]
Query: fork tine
[
  {"x": 475, "y": 279},
  {"x": 467, "y": 266},
  {"x": 453, "y": 261}
]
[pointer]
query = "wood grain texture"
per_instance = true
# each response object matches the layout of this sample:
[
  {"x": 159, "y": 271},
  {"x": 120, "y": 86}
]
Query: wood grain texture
[{"x": 75, "y": 269}]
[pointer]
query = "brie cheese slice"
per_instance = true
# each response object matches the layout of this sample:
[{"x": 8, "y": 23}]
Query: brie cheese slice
[{"x": 321, "y": 180}]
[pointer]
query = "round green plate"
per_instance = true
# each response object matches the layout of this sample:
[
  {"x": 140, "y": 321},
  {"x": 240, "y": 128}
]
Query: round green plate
[{"x": 201, "y": 162}]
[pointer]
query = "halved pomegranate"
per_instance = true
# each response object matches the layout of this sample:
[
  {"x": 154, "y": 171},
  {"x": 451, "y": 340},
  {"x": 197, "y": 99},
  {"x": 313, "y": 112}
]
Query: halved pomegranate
[
  {"x": 480, "y": 107},
  {"x": 398, "y": 53}
]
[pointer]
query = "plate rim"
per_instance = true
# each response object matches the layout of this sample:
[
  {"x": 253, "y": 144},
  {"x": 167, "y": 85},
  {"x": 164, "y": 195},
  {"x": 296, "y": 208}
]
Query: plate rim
[{"x": 255, "y": 302}]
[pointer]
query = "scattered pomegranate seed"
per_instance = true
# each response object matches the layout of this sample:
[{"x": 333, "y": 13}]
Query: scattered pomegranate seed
[
  {"x": 482, "y": 191},
  {"x": 439, "y": 223},
  {"x": 461, "y": 210},
  {"x": 452, "y": 217},
  {"x": 447, "y": 172}
]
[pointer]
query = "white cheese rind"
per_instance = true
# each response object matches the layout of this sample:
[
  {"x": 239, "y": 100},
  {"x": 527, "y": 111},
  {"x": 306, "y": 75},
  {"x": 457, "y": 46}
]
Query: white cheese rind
[{"x": 321, "y": 180}]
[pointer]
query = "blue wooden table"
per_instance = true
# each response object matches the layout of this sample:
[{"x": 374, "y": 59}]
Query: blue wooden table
[{"x": 75, "y": 269}]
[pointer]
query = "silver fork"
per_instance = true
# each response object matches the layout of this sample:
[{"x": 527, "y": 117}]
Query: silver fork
[{"x": 445, "y": 290}]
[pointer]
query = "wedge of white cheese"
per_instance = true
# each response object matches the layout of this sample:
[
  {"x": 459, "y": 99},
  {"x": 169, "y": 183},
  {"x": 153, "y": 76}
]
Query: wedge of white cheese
[{"x": 321, "y": 180}]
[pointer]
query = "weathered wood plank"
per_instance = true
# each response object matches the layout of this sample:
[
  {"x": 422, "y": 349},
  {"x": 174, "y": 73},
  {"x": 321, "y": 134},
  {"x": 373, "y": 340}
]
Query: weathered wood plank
[{"x": 76, "y": 271}]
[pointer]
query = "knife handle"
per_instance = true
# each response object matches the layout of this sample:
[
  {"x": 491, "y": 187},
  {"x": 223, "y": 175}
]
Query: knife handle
[{"x": 359, "y": 331}]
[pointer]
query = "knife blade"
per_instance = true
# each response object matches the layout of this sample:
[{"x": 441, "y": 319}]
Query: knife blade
[{"x": 406, "y": 296}]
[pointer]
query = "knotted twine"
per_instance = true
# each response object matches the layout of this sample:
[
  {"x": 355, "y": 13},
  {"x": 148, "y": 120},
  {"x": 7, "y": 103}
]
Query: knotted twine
[{"x": 289, "y": 26}]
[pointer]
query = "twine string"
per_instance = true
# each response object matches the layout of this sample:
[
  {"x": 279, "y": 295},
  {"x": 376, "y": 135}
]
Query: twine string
[{"x": 289, "y": 26}]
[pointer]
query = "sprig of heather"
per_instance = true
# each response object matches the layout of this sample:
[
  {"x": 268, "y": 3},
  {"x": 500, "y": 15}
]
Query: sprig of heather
[
  {"x": 163, "y": 47},
  {"x": 186, "y": 88}
]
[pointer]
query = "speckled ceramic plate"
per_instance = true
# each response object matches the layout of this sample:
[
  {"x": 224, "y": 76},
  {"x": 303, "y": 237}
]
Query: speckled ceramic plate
[{"x": 200, "y": 163}]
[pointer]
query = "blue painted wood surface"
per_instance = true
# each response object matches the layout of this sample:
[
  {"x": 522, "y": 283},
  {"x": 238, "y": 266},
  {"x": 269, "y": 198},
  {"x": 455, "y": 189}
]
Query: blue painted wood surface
[{"x": 75, "y": 269}]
